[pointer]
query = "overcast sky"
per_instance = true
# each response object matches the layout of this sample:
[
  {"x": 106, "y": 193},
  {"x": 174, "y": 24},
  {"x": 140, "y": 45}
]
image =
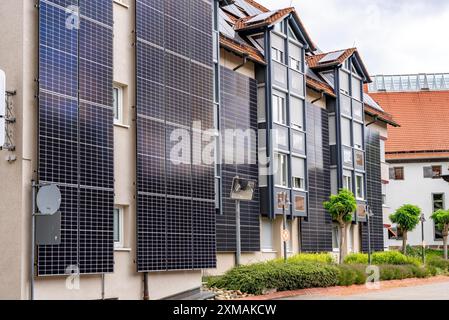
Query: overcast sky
[{"x": 393, "y": 36}]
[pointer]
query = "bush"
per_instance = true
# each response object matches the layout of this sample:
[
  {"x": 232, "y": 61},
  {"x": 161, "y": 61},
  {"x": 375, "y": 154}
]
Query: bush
[
  {"x": 325, "y": 258},
  {"x": 438, "y": 263},
  {"x": 380, "y": 258},
  {"x": 351, "y": 274},
  {"x": 257, "y": 278}
]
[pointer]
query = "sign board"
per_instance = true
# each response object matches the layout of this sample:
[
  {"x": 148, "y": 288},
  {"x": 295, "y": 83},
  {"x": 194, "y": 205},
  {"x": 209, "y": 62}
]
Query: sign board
[
  {"x": 242, "y": 189},
  {"x": 285, "y": 235},
  {"x": 2, "y": 94}
]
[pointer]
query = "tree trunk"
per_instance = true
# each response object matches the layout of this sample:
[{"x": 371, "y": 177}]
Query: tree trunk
[
  {"x": 445, "y": 235},
  {"x": 404, "y": 242},
  {"x": 342, "y": 242}
]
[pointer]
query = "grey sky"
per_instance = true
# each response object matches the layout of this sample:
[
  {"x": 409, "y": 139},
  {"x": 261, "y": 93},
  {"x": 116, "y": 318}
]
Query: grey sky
[{"x": 393, "y": 36}]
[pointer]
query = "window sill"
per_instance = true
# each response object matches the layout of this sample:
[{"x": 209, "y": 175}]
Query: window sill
[
  {"x": 120, "y": 125},
  {"x": 268, "y": 251},
  {"x": 122, "y": 249}
]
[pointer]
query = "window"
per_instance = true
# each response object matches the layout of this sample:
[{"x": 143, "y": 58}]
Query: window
[
  {"x": 346, "y": 132},
  {"x": 267, "y": 235},
  {"x": 279, "y": 109},
  {"x": 360, "y": 187},
  {"x": 345, "y": 105},
  {"x": 356, "y": 89},
  {"x": 298, "y": 173},
  {"x": 359, "y": 159},
  {"x": 344, "y": 82},
  {"x": 278, "y": 55},
  {"x": 347, "y": 180},
  {"x": 297, "y": 83},
  {"x": 300, "y": 203},
  {"x": 295, "y": 53},
  {"x": 281, "y": 170},
  {"x": 280, "y": 27},
  {"x": 298, "y": 142},
  {"x": 297, "y": 113},
  {"x": 118, "y": 228},
  {"x": 397, "y": 173},
  {"x": 437, "y": 204},
  {"x": 347, "y": 157},
  {"x": 357, "y": 110},
  {"x": 358, "y": 135},
  {"x": 433, "y": 172},
  {"x": 118, "y": 104},
  {"x": 295, "y": 64},
  {"x": 281, "y": 137}
]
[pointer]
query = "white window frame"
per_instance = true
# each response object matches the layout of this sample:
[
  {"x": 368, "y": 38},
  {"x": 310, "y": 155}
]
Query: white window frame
[
  {"x": 278, "y": 55},
  {"x": 118, "y": 118},
  {"x": 121, "y": 243},
  {"x": 357, "y": 145},
  {"x": 301, "y": 106},
  {"x": 279, "y": 109},
  {"x": 347, "y": 181},
  {"x": 301, "y": 179},
  {"x": 281, "y": 170},
  {"x": 362, "y": 187},
  {"x": 267, "y": 225}
]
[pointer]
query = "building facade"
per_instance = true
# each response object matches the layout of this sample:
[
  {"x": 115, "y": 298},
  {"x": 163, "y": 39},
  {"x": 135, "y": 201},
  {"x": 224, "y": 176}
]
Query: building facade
[
  {"x": 416, "y": 153},
  {"x": 142, "y": 113}
]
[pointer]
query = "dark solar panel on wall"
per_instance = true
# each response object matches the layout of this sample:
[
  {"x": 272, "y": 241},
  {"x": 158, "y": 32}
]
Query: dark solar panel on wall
[
  {"x": 75, "y": 131},
  {"x": 175, "y": 199},
  {"x": 374, "y": 192},
  {"x": 316, "y": 232},
  {"x": 239, "y": 112}
]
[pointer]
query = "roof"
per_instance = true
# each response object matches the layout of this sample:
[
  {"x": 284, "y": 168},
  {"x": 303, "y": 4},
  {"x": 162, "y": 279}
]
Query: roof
[
  {"x": 424, "y": 130},
  {"x": 338, "y": 57},
  {"x": 242, "y": 49}
]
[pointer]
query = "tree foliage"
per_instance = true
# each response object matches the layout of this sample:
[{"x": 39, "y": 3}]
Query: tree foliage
[
  {"x": 406, "y": 217},
  {"x": 341, "y": 206}
]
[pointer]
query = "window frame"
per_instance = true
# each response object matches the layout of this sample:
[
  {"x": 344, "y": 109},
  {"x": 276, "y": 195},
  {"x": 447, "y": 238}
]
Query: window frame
[
  {"x": 264, "y": 224},
  {"x": 279, "y": 97},
  {"x": 284, "y": 170},
  {"x": 118, "y": 117},
  {"x": 295, "y": 176},
  {"x": 347, "y": 180},
  {"x": 396, "y": 175},
  {"x": 357, "y": 185},
  {"x": 120, "y": 244}
]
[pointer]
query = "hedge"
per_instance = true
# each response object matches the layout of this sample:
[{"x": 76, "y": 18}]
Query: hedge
[
  {"x": 258, "y": 278},
  {"x": 325, "y": 258},
  {"x": 381, "y": 258},
  {"x": 285, "y": 276}
]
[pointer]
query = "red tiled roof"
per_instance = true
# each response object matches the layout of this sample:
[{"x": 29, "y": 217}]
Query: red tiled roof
[
  {"x": 382, "y": 116},
  {"x": 314, "y": 61},
  {"x": 242, "y": 49},
  {"x": 243, "y": 24},
  {"x": 417, "y": 156},
  {"x": 423, "y": 116}
]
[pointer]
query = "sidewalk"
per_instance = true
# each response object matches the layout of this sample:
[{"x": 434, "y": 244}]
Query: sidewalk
[{"x": 352, "y": 290}]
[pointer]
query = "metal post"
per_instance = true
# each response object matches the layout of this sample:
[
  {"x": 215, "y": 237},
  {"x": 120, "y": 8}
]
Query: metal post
[
  {"x": 284, "y": 214},
  {"x": 238, "y": 237},
  {"x": 146, "y": 291},
  {"x": 423, "y": 252},
  {"x": 33, "y": 237}
]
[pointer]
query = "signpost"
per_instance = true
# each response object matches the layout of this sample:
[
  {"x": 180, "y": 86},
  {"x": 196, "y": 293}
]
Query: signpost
[
  {"x": 242, "y": 190},
  {"x": 285, "y": 233}
]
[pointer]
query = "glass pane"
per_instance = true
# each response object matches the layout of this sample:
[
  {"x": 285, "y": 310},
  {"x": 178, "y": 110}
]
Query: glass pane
[
  {"x": 358, "y": 136},
  {"x": 344, "y": 82},
  {"x": 359, "y": 160},
  {"x": 281, "y": 170},
  {"x": 347, "y": 156},
  {"x": 298, "y": 167},
  {"x": 358, "y": 110},
  {"x": 280, "y": 75},
  {"x": 279, "y": 108},
  {"x": 345, "y": 105},
  {"x": 300, "y": 203},
  {"x": 297, "y": 83},
  {"x": 297, "y": 112},
  {"x": 116, "y": 97},
  {"x": 280, "y": 137},
  {"x": 346, "y": 131},
  {"x": 356, "y": 89},
  {"x": 299, "y": 144},
  {"x": 116, "y": 225}
]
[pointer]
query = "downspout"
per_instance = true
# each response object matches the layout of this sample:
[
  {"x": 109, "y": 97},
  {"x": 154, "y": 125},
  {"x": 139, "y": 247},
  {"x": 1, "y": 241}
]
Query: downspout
[{"x": 146, "y": 291}]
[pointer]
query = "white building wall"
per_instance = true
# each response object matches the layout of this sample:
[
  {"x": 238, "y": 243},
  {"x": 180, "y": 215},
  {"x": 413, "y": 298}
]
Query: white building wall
[{"x": 416, "y": 190}]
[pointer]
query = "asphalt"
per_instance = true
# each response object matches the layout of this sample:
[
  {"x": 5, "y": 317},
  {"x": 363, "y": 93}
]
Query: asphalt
[{"x": 436, "y": 291}]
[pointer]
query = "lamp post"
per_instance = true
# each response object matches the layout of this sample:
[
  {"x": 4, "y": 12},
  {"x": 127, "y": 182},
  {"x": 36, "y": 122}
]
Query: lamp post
[{"x": 423, "y": 219}]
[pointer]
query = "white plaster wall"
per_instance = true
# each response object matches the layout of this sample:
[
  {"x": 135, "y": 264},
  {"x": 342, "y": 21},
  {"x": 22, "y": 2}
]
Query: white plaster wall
[{"x": 417, "y": 191}]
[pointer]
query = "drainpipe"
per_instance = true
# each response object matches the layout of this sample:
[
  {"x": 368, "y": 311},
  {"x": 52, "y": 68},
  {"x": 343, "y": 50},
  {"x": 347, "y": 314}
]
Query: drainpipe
[
  {"x": 146, "y": 292},
  {"x": 33, "y": 237}
]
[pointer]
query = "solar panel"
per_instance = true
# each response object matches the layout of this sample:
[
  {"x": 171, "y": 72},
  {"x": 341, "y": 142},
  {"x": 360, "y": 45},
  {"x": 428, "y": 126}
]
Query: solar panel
[
  {"x": 238, "y": 111},
  {"x": 252, "y": 11},
  {"x": 261, "y": 17},
  {"x": 76, "y": 132},
  {"x": 175, "y": 201},
  {"x": 331, "y": 56},
  {"x": 232, "y": 9}
]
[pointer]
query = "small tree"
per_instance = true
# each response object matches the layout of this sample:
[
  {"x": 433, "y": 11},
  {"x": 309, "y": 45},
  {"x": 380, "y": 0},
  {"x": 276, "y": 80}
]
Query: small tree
[
  {"x": 441, "y": 219},
  {"x": 341, "y": 207},
  {"x": 407, "y": 218}
]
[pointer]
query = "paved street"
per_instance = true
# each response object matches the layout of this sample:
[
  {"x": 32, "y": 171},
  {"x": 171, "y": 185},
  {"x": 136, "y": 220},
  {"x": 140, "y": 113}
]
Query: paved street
[{"x": 436, "y": 291}]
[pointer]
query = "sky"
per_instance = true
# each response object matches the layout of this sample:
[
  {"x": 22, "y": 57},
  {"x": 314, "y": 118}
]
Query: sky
[{"x": 393, "y": 36}]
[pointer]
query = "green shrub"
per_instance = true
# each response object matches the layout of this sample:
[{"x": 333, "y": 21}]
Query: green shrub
[
  {"x": 380, "y": 258},
  {"x": 437, "y": 262},
  {"x": 257, "y": 278},
  {"x": 325, "y": 258},
  {"x": 351, "y": 274}
]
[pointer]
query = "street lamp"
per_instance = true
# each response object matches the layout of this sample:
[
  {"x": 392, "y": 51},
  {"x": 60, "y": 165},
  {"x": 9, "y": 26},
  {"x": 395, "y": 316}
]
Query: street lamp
[{"x": 423, "y": 219}]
